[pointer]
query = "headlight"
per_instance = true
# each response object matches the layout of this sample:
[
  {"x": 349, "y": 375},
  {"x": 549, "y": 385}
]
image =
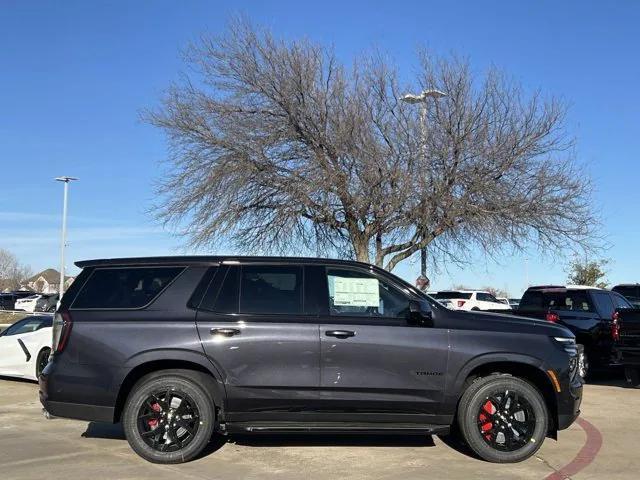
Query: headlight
[{"x": 565, "y": 340}]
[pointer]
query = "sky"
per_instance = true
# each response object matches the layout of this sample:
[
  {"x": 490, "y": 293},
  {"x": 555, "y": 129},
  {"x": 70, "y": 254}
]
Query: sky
[{"x": 75, "y": 75}]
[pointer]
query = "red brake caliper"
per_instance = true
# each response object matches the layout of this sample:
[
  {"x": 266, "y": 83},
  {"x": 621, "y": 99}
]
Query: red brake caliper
[
  {"x": 485, "y": 424},
  {"x": 153, "y": 423}
]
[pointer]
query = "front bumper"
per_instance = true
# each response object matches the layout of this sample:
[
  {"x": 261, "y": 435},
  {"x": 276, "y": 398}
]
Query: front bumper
[{"x": 569, "y": 401}]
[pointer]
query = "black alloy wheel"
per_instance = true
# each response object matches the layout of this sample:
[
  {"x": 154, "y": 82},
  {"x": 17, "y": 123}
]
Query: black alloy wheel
[
  {"x": 503, "y": 419},
  {"x": 506, "y": 421},
  {"x": 169, "y": 415},
  {"x": 168, "y": 420}
]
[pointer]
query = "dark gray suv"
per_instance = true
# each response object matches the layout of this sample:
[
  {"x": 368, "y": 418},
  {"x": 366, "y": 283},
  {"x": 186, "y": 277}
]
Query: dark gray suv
[{"x": 181, "y": 348}]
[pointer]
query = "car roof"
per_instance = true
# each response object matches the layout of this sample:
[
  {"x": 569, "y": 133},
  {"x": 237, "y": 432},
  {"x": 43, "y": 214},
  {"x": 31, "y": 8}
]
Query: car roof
[
  {"x": 214, "y": 260},
  {"x": 564, "y": 287}
]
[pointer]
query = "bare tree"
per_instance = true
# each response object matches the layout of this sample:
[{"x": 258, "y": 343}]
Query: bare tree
[
  {"x": 277, "y": 146},
  {"x": 12, "y": 273}
]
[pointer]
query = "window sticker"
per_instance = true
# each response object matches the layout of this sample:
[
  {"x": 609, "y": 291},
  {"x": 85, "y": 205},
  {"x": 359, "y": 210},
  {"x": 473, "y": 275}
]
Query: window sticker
[{"x": 355, "y": 292}]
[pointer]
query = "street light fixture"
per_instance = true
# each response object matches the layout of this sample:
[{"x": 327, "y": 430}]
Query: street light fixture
[
  {"x": 66, "y": 181},
  {"x": 422, "y": 98}
]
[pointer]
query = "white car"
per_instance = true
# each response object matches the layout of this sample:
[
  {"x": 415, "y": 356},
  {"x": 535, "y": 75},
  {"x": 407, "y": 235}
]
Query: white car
[
  {"x": 469, "y": 300},
  {"x": 27, "y": 304},
  {"x": 25, "y": 347}
]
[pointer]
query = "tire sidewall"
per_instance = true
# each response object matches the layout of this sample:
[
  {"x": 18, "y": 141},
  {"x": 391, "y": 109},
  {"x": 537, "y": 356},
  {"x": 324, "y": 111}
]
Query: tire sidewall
[
  {"x": 44, "y": 351},
  {"x": 205, "y": 409},
  {"x": 474, "y": 398}
]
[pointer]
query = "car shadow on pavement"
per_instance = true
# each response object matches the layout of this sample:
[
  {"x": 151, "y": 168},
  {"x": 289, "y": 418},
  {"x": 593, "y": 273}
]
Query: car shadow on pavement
[{"x": 111, "y": 431}]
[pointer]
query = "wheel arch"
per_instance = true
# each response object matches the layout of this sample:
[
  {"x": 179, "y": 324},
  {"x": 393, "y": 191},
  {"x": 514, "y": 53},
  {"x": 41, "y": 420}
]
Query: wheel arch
[
  {"x": 147, "y": 365},
  {"x": 521, "y": 366}
]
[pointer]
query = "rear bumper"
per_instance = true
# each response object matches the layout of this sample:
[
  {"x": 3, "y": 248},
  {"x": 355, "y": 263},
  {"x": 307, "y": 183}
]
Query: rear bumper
[{"x": 76, "y": 411}]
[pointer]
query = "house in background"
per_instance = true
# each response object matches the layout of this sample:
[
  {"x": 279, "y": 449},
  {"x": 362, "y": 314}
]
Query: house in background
[{"x": 47, "y": 281}]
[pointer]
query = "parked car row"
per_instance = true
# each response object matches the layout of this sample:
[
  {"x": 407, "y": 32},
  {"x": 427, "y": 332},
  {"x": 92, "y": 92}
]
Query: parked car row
[
  {"x": 8, "y": 300},
  {"x": 28, "y": 301},
  {"x": 606, "y": 323}
]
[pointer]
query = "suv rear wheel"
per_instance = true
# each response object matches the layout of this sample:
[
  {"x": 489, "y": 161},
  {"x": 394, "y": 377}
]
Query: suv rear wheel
[
  {"x": 503, "y": 419},
  {"x": 169, "y": 417}
]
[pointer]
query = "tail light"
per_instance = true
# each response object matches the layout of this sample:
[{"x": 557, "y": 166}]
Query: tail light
[
  {"x": 615, "y": 327},
  {"x": 552, "y": 317},
  {"x": 61, "y": 330},
  {"x": 461, "y": 303}
]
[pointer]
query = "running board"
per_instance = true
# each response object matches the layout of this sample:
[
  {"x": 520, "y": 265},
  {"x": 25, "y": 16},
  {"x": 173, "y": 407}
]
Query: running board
[{"x": 335, "y": 427}]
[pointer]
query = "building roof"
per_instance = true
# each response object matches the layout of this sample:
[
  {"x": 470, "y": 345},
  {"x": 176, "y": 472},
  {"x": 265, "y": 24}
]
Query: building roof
[{"x": 51, "y": 275}]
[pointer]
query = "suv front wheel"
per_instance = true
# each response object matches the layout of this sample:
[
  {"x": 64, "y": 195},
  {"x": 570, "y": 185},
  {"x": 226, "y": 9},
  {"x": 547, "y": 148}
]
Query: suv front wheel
[
  {"x": 168, "y": 417},
  {"x": 503, "y": 419}
]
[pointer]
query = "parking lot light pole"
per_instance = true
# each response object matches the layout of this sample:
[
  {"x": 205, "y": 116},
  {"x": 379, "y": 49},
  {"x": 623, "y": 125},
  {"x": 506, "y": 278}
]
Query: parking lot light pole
[
  {"x": 66, "y": 181},
  {"x": 422, "y": 98}
]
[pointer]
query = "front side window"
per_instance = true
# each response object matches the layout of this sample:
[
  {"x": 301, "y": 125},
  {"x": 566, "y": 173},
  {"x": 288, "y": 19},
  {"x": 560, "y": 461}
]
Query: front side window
[
  {"x": 355, "y": 293},
  {"x": 124, "y": 288}
]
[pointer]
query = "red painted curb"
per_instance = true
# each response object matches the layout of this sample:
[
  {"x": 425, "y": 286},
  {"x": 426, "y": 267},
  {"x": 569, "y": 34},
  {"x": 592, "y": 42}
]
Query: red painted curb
[{"x": 585, "y": 456}]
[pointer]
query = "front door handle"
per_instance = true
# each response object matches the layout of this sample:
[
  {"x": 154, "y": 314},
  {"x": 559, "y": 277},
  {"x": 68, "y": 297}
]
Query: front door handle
[
  {"x": 339, "y": 333},
  {"x": 227, "y": 332}
]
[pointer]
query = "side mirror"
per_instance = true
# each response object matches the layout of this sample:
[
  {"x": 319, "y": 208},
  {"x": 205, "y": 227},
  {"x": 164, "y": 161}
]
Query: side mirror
[{"x": 420, "y": 313}]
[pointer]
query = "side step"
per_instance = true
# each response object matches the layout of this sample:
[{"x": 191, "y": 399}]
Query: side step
[{"x": 336, "y": 427}]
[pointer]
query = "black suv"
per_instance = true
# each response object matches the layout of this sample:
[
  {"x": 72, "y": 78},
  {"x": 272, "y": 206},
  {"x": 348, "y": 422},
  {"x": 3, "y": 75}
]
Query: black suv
[
  {"x": 588, "y": 312},
  {"x": 180, "y": 348}
]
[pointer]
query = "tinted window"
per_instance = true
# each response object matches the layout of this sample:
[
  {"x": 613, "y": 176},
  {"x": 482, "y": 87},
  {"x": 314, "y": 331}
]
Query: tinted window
[
  {"x": 604, "y": 304},
  {"x": 620, "y": 302},
  {"x": 486, "y": 297},
  {"x": 28, "y": 325},
  {"x": 124, "y": 287},
  {"x": 630, "y": 292},
  {"x": 448, "y": 295},
  {"x": 563, "y": 300},
  {"x": 271, "y": 289},
  {"x": 357, "y": 293},
  {"x": 222, "y": 295}
]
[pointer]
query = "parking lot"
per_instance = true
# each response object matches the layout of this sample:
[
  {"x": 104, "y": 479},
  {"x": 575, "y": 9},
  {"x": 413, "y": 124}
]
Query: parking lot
[{"x": 603, "y": 446}]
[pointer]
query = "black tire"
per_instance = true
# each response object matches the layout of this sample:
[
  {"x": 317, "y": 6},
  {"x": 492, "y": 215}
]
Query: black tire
[
  {"x": 42, "y": 360},
  {"x": 632, "y": 375},
  {"x": 197, "y": 430},
  {"x": 497, "y": 443}
]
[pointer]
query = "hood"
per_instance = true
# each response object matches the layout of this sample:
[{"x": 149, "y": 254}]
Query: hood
[{"x": 498, "y": 322}]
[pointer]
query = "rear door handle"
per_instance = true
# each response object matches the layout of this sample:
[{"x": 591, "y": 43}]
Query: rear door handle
[
  {"x": 227, "y": 332},
  {"x": 339, "y": 333}
]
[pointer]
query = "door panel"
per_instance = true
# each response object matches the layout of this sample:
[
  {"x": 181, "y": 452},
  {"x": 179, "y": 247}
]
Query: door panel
[
  {"x": 383, "y": 369},
  {"x": 266, "y": 366},
  {"x": 12, "y": 357}
]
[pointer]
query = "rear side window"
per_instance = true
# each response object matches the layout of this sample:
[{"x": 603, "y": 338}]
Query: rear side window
[
  {"x": 125, "y": 288},
  {"x": 486, "y": 297},
  {"x": 271, "y": 289},
  {"x": 604, "y": 304}
]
